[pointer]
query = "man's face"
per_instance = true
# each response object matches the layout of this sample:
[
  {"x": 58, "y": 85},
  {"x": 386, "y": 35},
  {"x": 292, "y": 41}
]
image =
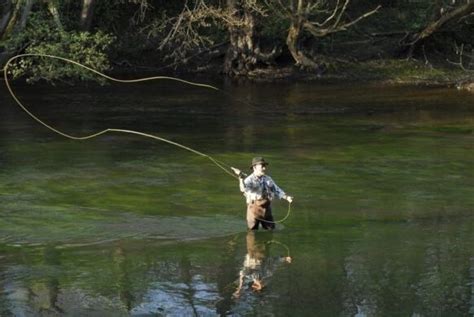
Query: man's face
[{"x": 259, "y": 169}]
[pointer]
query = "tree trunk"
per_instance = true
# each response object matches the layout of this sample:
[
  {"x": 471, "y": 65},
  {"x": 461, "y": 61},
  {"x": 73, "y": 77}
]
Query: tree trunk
[
  {"x": 53, "y": 9},
  {"x": 296, "y": 27},
  {"x": 6, "y": 14},
  {"x": 25, "y": 14},
  {"x": 13, "y": 20},
  {"x": 238, "y": 58},
  {"x": 300, "y": 58},
  {"x": 87, "y": 14},
  {"x": 434, "y": 26}
]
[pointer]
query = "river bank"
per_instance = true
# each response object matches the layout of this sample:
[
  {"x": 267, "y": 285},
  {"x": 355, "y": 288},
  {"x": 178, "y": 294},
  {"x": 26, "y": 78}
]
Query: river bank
[
  {"x": 382, "y": 71},
  {"x": 385, "y": 71},
  {"x": 404, "y": 72}
]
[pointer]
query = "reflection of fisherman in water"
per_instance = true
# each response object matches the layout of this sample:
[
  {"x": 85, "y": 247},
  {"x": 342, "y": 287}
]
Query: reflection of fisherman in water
[{"x": 258, "y": 267}]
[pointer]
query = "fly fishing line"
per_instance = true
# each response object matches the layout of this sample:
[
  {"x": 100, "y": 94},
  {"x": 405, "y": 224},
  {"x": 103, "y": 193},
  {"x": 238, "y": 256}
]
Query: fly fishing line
[{"x": 224, "y": 167}]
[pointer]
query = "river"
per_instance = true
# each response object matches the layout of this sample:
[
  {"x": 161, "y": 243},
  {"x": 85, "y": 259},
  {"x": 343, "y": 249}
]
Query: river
[{"x": 120, "y": 225}]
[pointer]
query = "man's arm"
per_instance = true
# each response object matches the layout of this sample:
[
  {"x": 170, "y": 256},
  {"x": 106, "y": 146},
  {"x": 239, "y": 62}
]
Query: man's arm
[
  {"x": 280, "y": 193},
  {"x": 241, "y": 178}
]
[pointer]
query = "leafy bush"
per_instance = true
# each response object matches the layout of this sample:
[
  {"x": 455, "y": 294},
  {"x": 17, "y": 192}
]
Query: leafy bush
[{"x": 43, "y": 36}]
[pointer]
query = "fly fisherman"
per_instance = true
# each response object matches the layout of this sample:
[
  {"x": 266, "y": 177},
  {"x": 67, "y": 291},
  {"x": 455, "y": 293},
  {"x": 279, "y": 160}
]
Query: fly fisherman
[{"x": 259, "y": 191}]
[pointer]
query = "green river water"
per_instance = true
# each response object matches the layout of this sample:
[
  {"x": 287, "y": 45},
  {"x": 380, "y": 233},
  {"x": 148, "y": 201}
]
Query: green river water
[{"x": 381, "y": 225}]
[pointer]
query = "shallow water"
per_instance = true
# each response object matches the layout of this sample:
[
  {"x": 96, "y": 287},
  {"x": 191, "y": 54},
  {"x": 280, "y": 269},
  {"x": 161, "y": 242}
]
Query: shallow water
[{"x": 382, "y": 222}]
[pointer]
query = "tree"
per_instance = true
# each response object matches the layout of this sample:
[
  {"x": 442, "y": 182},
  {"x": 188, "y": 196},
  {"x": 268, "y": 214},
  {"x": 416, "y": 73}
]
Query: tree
[
  {"x": 443, "y": 15},
  {"x": 7, "y": 10},
  {"x": 14, "y": 16},
  {"x": 13, "y": 21},
  {"x": 197, "y": 27},
  {"x": 244, "y": 52},
  {"x": 318, "y": 17},
  {"x": 87, "y": 12},
  {"x": 44, "y": 33},
  {"x": 54, "y": 11}
]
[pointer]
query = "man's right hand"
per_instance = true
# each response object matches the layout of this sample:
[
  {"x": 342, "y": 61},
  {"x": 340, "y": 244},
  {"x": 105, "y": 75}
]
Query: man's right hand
[
  {"x": 236, "y": 170},
  {"x": 239, "y": 173}
]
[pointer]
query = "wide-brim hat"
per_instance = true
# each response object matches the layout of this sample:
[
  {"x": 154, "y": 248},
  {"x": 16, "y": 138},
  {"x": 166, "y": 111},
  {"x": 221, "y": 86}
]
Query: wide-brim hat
[{"x": 258, "y": 160}]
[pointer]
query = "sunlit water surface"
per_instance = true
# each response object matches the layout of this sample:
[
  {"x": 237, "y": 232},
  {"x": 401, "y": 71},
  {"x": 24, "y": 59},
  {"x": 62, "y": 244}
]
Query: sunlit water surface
[{"x": 382, "y": 222}]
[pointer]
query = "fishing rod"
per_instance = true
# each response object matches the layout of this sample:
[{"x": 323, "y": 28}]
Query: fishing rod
[{"x": 223, "y": 166}]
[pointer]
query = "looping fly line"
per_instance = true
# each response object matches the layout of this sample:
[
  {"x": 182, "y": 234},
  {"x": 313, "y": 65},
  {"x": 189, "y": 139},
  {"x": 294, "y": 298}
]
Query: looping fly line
[{"x": 219, "y": 164}]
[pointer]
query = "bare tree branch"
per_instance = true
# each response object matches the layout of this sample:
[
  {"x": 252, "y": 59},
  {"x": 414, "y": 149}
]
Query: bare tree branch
[
  {"x": 329, "y": 18},
  {"x": 320, "y": 19},
  {"x": 460, "y": 52},
  {"x": 320, "y": 31},
  {"x": 338, "y": 20},
  {"x": 434, "y": 26},
  {"x": 348, "y": 25}
]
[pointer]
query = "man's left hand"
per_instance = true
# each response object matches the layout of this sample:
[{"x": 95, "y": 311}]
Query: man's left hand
[{"x": 289, "y": 199}]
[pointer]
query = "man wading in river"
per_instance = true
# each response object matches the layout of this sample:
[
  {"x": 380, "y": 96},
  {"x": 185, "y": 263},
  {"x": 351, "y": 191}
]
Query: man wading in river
[{"x": 259, "y": 191}]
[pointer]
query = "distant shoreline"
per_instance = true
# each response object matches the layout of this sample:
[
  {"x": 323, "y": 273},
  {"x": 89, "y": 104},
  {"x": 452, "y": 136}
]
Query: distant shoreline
[{"x": 387, "y": 72}]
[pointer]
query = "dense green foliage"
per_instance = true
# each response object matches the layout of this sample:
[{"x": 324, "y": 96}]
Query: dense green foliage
[
  {"x": 43, "y": 37},
  {"x": 141, "y": 35}
]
